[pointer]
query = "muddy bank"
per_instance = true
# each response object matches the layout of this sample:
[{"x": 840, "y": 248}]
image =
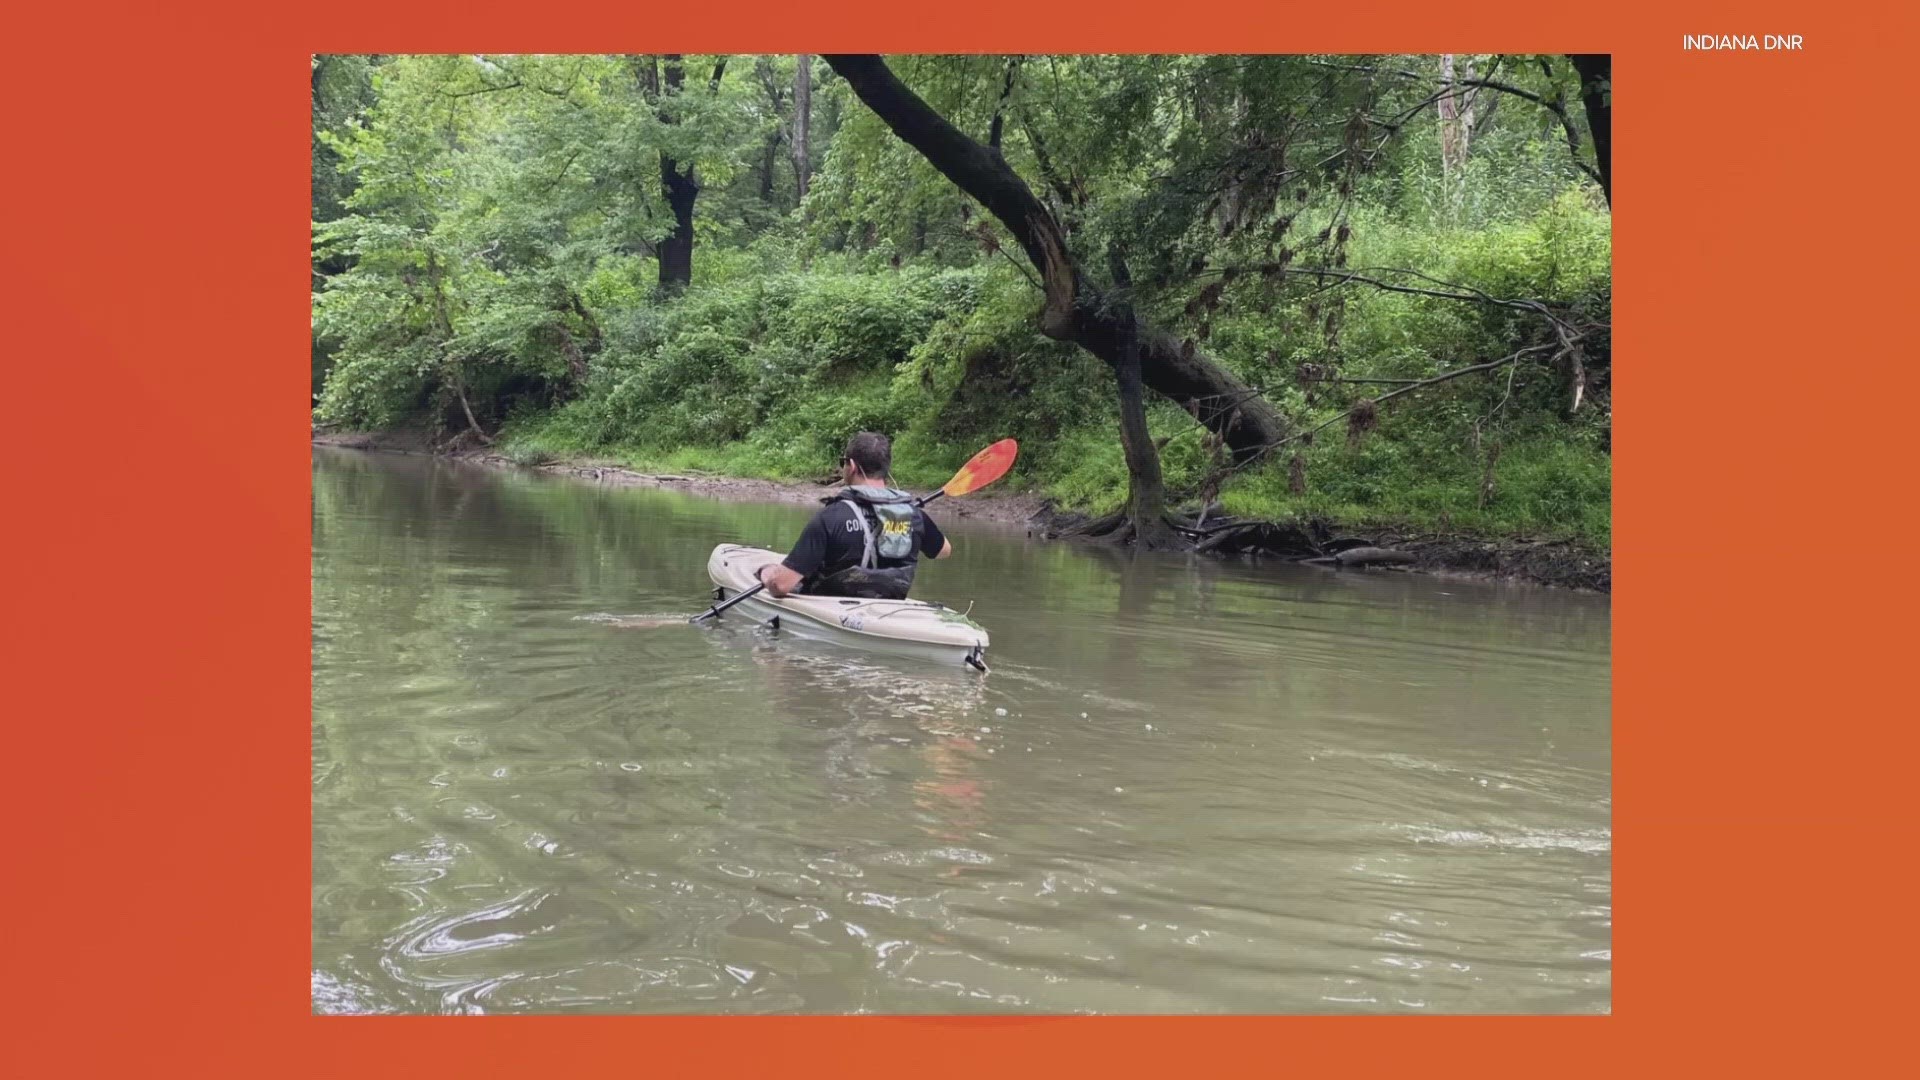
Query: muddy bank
[
  {"x": 1558, "y": 563},
  {"x": 1010, "y": 508},
  {"x": 1358, "y": 549}
]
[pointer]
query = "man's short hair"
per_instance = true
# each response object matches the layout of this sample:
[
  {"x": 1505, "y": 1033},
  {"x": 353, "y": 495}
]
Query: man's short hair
[{"x": 872, "y": 452}]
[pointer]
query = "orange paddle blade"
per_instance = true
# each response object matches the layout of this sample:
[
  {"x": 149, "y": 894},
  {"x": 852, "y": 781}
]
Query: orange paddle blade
[{"x": 987, "y": 466}]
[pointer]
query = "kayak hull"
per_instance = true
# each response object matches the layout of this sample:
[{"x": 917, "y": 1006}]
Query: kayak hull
[{"x": 913, "y": 628}]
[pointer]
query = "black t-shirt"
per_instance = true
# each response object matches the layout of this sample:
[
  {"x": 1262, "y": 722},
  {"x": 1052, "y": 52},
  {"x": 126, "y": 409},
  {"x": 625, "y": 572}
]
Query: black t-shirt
[{"x": 833, "y": 541}]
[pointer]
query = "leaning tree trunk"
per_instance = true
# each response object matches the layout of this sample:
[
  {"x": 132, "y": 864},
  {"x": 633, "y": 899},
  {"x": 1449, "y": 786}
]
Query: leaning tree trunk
[
  {"x": 451, "y": 364},
  {"x": 1146, "y": 488},
  {"x": 769, "y": 154},
  {"x": 1072, "y": 310},
  {"x": 1596, "y": 92},
  {"x": 802, "y": 120},
  {"x": 678, "y": 184},
  {"x": 1455, "y": 109},
  {"x": 680, "y": 189},
  {"x": 770, "y": 149},
  {"x": 676, "y": 250}
]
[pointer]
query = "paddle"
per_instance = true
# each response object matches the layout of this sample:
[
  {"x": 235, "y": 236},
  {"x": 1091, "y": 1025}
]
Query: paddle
[{"x": 984, "y": 468}]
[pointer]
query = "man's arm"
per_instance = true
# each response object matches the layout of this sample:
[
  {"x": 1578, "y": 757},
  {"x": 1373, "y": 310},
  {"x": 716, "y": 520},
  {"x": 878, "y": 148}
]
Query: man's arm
[
  {"x": 779, "y": 580},
  {"x": 934, "y": 543},
  {"x": 783, "y": 577}
]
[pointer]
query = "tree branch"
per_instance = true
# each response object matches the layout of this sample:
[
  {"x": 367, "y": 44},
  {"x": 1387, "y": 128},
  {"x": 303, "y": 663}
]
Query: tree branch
[
  {"x": 1418, "y": 384},
  {"x": 1362, "y": 276},
  {"x": 461, "y": 392},
  {"x": 514, "y": 85},
  {"x": 776, "y": 93},
  {"x": 1000, "y": 108},
  {"x": 1045, "y": 160},
  {"x": 1516, "y": 91},
  {"x": 978, "y": 171},
  {"x": 1025, "y": 271},
  {"x": 1566, "y": 335},
  {"x": 1370, "y": 69},
  {"x": 1553, "y": 105},
  {"x": 1596, "y": 93},
  {"x": 1071, "y": 309},
  {"x": 561, "y": 175}
]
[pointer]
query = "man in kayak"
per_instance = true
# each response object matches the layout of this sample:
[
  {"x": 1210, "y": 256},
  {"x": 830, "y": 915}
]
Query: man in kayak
[{"x": 867, "y": 540}]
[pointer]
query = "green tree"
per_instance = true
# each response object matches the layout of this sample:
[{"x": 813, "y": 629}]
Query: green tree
[
  {"x": 633, "y": 252},
  {"x": 1199, "y": 162}
]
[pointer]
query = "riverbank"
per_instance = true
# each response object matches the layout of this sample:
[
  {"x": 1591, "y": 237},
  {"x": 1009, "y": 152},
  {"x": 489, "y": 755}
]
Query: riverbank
[
  {"x": 1359, "y": 546},
  {"x": 1002, "y": 507}
]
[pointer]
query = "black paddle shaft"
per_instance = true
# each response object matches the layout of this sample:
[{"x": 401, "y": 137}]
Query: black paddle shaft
[{"x": 720, "y": 607}]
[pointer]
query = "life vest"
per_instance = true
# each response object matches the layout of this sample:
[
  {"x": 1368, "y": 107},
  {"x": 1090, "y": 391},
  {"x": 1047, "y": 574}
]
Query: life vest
[{"x": 886, "y": 520}]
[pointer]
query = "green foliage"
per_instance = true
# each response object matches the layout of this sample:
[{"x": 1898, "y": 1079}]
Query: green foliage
[
  {"x": 486, "y": 227},
  {"x": 1543, "y": 486},
  {"x": 793, "y": 363},
  {"x": 342, "y": 86},
  {"x": 501, "y": 207}
]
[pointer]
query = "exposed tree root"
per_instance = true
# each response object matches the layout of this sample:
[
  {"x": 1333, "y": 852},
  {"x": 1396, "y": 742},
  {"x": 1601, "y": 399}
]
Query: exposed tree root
[{"x": 1559, "y": 562}]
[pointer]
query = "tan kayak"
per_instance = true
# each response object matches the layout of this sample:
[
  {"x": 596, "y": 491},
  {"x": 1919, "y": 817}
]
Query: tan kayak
[{"x": 905, "y": 627}]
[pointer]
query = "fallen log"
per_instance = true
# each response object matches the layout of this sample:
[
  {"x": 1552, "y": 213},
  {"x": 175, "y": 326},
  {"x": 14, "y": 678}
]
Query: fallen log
[{"x": 1364, "y": 556}]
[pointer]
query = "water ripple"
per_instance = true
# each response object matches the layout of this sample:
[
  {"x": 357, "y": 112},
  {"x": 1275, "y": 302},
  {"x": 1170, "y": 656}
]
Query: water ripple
[{"x": 1185, "y": 788}]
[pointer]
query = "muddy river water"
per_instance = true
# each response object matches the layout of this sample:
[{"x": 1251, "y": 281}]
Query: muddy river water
[{"x": 1186, "y": 786}]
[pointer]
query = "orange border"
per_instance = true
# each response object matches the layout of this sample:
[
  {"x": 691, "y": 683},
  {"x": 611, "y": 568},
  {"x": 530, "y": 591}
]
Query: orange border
[{"x": 155, "y": 191}]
